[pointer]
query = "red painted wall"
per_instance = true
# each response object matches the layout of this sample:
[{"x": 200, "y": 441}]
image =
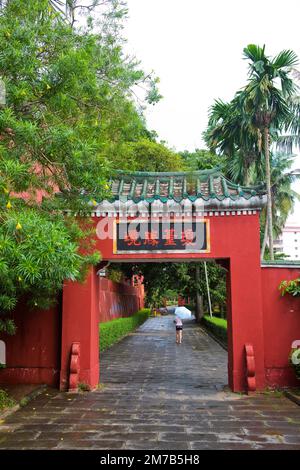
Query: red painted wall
[
  {"x": 235, "y": 239},
  {"x": 118, "y": 299},
  {"x": 84, "y": 304},
  {"x": 33, "y": 354},
  {"x": 256, "y": 314},
  {"x": 281, "y": 320}
]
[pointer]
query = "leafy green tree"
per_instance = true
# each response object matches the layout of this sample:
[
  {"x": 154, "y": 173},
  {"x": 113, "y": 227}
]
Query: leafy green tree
[
  {"x": 147, "y": 155},
  {"x": 234, "y": 139},
  {"x": 159, "y": 278},
  {"x": 37, "y": 254},
  {"x": 289, "y": 141},
  {"x": 244, "y": 128},
  {"x": 283, "y": 195},
  {"x": 202, "y": 159},
  {"x": 266, "y": 104},
  {"x": 68, "y": 107}
]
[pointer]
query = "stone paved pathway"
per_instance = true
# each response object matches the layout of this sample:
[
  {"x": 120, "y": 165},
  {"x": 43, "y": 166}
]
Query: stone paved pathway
[{"x": 155, "y": 394}]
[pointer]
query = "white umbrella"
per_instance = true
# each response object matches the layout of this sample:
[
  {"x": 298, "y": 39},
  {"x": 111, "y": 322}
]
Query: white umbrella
[{"x": 183, "y": 313}]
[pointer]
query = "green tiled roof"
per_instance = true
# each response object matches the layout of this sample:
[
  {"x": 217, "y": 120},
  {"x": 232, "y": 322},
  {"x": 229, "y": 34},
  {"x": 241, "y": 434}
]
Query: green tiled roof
[{"x": 206, "y": 185}]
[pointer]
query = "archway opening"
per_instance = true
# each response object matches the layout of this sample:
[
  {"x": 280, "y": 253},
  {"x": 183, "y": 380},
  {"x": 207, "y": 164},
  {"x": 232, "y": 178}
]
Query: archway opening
[{"x": 202, "y": 288}]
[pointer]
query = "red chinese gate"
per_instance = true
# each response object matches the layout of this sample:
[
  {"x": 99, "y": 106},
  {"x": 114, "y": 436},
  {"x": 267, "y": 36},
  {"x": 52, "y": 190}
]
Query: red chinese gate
[
  {"x": 169, "y": 217},
  {"x": 228, "y": 217}
]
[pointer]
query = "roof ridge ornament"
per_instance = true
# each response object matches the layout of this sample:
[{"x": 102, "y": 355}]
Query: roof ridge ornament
[{"x": 211, "y": 187}]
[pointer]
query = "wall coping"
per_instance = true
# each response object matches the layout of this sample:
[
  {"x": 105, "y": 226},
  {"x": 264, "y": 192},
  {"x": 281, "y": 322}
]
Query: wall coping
[{"x": 281, "y": 264}]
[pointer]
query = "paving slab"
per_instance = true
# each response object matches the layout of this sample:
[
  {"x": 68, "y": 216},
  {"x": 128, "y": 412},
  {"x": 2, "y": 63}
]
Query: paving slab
[{"x": 157, "y": 395}]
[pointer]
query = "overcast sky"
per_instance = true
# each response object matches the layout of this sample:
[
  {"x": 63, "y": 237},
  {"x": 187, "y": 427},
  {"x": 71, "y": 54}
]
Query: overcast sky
[{"x": 196, "y": 47}]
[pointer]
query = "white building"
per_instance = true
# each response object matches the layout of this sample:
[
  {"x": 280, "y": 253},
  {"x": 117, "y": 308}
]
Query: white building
[{"x": 289, "y": 241}]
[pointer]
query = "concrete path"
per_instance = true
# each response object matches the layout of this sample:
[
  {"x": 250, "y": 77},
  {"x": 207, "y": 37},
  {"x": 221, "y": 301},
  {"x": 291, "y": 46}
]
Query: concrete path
[{"x": 155, "y": 394}]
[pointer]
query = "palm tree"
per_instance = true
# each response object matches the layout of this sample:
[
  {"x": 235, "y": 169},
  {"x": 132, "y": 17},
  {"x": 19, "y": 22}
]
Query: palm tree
[
  {"x": 283, "y": 195},
  {"x": 286, "y": 143},
  {"x": 230, "y": 135},
  {"x": 265, "y": 102}
]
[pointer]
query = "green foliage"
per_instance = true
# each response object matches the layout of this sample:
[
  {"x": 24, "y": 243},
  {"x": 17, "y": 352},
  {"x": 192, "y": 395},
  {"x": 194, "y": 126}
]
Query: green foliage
[
  {"x": 69, "y": 111},
  {"x": 7, "y": 326},
  {"x": 147, "y": 155},
  {"x": 202, "y": 159},
  {"x": 244, "y": 128},
  {"x": 36, "y": 258},
  {"x": 179, "y": 277},
  {"x": 218, "y": 326},
  {"x": 283, "y": 195},
  {"x": 5, "y": 400},
  {"x": 24, "y": 401},
  {"x": 290, "y": 287},
  {"x": 114, "y": 330},
  {"x": 83, "y": 387},
  {"x": 114, "y": 274},
  {"x": 235, "y": 128},
  {"x": 233, "y": 139},
  {"x": 269, "y": 86}
]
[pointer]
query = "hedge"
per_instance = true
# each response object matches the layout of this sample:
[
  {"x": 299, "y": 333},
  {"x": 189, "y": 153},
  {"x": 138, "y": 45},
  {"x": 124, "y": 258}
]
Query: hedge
[
  {"x": 112, "y": 331},
  {"x": 218, "y": 326}
]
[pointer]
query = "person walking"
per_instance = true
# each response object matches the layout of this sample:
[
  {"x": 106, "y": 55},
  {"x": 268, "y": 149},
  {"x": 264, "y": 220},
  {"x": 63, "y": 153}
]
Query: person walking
[{"x": 179, "y": 327}]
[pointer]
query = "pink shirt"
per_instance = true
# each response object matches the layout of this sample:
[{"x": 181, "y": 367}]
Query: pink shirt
[{"x": 178, "y": 321}]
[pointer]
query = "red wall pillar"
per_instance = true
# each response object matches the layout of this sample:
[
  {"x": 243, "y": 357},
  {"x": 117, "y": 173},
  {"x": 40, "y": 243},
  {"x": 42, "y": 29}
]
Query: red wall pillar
[
  {"x": 245, "y": 321},
  {"x": 80, "y": 319}
]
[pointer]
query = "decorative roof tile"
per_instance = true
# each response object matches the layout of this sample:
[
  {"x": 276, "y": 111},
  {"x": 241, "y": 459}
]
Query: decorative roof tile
[{"x": 210, "y": 186}]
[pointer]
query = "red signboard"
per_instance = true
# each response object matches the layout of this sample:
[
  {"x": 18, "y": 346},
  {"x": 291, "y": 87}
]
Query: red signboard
[{"x": 152, "y": 236}]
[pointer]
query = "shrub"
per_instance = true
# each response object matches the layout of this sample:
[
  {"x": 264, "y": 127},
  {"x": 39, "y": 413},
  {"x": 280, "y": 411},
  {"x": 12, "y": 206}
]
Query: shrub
[
  {"x": 5, "y": 400},
  {"x": 84, "y": 387},
  {"x": 218, "y": 326},
  {"x": 114, "y": 330}
]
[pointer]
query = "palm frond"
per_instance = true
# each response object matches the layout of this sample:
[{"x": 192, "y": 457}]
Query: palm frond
[
  {"x": 285, "y": 58},
  {"x": 254, "y": 53},
  {"x": 287, "y": 143}
]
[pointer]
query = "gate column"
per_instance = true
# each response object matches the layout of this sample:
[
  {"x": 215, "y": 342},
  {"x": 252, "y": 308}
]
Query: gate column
[
  {"x": 80, "y": 320},
  {"x": 245, "y": 321}
]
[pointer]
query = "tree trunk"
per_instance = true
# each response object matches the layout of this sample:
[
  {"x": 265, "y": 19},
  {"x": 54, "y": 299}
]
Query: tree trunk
[
  {"x": 269, "y": 195},
  {"x": 199, "y": 307},
  {"x": 264, "y": 243},
  {"x": 199, "y": 302}
]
